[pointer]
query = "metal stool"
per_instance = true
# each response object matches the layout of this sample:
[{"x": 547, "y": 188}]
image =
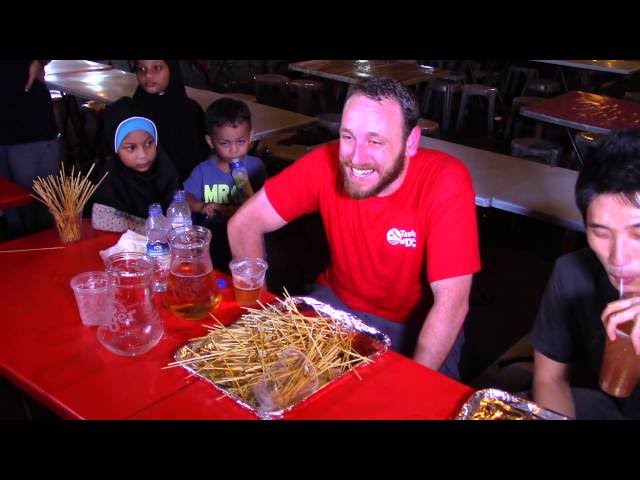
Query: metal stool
[
  {"x": 95, "y": 112},
  {"x": 308, "y": 96},
  {"x": 514, "y": 72},
  {"x": 429, "y": 128},
  {"x": 516, "y": 105},
  {"x": 245, "y": 97},
  {"x": 541, "y": 86},
  {"x": 59, "y": 110},
  {"x": 537, "y": 148},
  {"x": 485, "y": 77},
  {"x": 271, "y": 89},
  {"x": 459, "y": 77},
  {"x": 475, "y": 89},
  {"x": 448, "y": 89},
  {"x": 585, "y": 141},
  {"x": 330, "y": 122},
  {"x": 632, "y": 96}
]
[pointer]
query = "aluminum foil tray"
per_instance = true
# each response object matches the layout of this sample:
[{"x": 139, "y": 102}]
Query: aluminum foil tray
[
  {"x": 369, "y": 342},
  {"x": 494, "y": 404}
]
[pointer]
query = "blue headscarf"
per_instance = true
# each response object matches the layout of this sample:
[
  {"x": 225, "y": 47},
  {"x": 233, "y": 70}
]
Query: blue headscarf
[{"x": 132, "y": 124}]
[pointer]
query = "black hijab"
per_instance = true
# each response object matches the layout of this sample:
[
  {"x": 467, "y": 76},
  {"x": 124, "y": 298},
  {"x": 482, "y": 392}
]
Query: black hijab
[
  {"x": 179, "y": 119},
  {"x": 124, "y": 188}
]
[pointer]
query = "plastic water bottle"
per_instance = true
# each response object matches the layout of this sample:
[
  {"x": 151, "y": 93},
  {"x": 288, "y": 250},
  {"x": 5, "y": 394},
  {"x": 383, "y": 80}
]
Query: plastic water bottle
[
  {"x": 179, "y": 213},
  {"x": 158, "y": 250},
  {"x": 241, "y": 177}
]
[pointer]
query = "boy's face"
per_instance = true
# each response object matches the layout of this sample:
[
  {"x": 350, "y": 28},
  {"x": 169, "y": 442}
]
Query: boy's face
[
  {"x": 138, "y": 151},
  {"x": 613, "y": 233},
  {"x": 230, "y": 142},
  {"x": 153, "y": 75}
]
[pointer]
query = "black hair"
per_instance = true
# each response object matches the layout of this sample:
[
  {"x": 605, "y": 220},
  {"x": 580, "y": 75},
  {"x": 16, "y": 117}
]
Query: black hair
[
  {"x": 380, "y": 88},
  {"x": 613, "y": 168},
  {"x": 226, "y": 111}
]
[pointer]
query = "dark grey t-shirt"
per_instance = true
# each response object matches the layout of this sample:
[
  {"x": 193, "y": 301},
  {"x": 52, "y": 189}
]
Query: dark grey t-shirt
[{"x": 568, "y": 328}]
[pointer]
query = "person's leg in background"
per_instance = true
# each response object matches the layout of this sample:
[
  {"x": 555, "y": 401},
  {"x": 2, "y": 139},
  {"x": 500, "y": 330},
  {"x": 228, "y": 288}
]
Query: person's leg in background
[
  {"x": 24, "y": 163},
  {"x": 11, "y": 215}
]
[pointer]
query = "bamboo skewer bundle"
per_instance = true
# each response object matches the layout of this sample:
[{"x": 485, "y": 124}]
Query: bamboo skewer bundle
[
  {"x": 66, "y": 196},
  {"x": 275, "y": 349}
]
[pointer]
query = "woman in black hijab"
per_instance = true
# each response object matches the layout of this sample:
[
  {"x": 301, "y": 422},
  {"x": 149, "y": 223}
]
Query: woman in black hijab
[
  {"x": 180, "y": 119},
  {"x": 140, "y": 172}
]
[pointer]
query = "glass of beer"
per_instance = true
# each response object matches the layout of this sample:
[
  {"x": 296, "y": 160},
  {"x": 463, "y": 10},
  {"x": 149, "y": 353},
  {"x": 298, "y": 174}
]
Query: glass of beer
[
  {"x": 620, "y": 369},
  {"x": 248, "y": 279}
]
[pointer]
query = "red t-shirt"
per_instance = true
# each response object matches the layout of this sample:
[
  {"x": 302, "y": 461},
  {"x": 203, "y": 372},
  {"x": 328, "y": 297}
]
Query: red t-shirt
[{"x": 384, "y": 248}]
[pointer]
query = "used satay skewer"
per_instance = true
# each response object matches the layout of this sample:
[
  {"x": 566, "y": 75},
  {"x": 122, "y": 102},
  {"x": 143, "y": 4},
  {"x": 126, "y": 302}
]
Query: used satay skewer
[
  {"x": 239, "y": 356},
  {"x": 31, "y": 249}
]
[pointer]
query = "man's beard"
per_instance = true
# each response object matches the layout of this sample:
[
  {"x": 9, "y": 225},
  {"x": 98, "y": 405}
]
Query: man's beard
[{"x": 385, "y": 180}]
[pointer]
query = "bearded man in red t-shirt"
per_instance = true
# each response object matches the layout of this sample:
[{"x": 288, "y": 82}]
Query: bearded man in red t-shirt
[{"x": 400, "y": 222}]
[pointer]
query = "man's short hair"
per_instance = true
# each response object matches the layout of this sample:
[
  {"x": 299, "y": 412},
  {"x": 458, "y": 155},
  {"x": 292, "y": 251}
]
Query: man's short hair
[
  {"x": 380, "y": 88},
  {"x": 226, "y": 111},
  {"x": 613, "y": 168}
]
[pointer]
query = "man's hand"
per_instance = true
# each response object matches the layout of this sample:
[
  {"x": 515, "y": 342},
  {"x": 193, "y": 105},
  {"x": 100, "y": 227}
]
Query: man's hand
[
  {"x": 36, "y": 71},
  {"x": 621, "y": 311}
]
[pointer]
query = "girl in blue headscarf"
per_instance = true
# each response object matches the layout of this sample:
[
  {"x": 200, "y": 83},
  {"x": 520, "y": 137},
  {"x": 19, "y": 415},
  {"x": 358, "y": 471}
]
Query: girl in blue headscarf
[{"x": 140, "y": 172}]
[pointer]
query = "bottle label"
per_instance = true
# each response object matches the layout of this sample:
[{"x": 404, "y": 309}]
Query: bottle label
[{"x": 157, "y": 249}]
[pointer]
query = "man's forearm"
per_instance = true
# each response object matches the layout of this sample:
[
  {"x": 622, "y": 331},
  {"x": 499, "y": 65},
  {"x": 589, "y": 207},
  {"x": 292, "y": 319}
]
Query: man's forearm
[
  {"x": 438, "y": 335},
  {"x": 246, "y": 228},
  {"x": 555, "y": 396}
]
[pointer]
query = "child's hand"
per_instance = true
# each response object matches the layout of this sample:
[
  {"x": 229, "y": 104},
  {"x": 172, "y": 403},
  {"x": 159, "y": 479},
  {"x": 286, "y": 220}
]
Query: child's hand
[{"x": 209, "y": 210}]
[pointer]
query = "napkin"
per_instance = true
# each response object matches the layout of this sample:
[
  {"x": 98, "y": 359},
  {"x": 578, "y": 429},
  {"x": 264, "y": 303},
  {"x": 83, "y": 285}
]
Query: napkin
[{"x": 129, "y": 241}]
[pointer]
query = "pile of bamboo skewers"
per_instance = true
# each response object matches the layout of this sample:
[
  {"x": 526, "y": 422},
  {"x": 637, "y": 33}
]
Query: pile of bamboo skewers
[
  {"x": 256, "y": 351},
  {"x": 66, "y": 196}
]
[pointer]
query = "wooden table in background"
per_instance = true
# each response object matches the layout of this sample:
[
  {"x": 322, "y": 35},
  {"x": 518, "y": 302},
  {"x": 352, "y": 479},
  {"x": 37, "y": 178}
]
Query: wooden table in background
[
  {"x": 109, "y": 85},
  {"x": 518, "y": 185},
  {"x": 55, "y": 67},
  {"x": 586, "y": 111},
  {"x": 622, "y": 67},
  {"x": 354, "y": 71}
]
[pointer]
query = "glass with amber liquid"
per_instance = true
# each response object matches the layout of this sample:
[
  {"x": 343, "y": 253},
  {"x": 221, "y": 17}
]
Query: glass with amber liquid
[
  {"x": 248, "y": 279},
  {"x": 192, "y": 292},
  {"x": 620, "y": 370}
]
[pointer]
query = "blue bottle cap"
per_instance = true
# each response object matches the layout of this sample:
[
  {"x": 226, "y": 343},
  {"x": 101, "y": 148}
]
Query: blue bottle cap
[
  {"x": 155, "y": 209},
  {"x": 237, "y": 163},
  {"x": 179, "y": 195},
  {"x": 221, "y": 283}
]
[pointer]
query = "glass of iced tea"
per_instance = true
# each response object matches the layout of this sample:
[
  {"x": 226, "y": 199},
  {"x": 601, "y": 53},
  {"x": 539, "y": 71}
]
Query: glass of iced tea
[
  {"x": 248, "y": 279},
  {"x": 620, "y": 369}
]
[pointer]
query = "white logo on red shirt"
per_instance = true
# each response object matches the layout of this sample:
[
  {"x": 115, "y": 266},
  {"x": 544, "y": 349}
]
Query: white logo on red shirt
[{"x": 396, "y": 236}]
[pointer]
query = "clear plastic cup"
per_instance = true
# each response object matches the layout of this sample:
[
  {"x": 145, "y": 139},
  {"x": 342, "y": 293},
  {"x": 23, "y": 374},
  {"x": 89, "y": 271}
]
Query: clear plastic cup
[
  {"x": 248, "y": 279},
  {"x": 90, "y": 290},
  {"x": 288, "y": 381}
]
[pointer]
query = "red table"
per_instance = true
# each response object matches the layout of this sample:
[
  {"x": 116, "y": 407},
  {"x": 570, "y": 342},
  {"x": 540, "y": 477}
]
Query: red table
[
  {"x": 12, "y": 195},
  {"x": 392, "y": 388},
  {"x": 46, "y": 351}
]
